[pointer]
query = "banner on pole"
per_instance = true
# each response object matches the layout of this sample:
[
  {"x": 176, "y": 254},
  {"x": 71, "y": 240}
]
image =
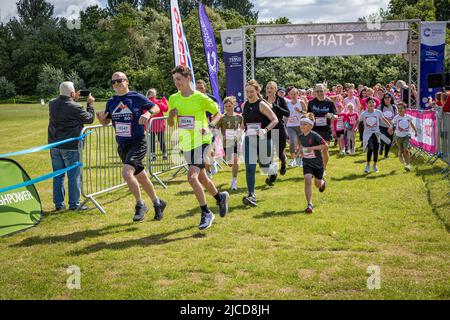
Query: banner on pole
[
  {"x": 212, "y": 61},
  {"x": 233, "y": 51},
  {"x": 432, "y": 56},
  {"x": 426, "y": 124},
  {"x": 181, "y": 52}
]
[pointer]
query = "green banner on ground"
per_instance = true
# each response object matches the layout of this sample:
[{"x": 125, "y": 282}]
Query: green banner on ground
[{"x": 20, "y": 208}]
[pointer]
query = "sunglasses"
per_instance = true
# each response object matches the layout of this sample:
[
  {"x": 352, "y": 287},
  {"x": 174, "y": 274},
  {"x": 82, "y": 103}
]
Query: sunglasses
[{"x": 118, "y": 81}]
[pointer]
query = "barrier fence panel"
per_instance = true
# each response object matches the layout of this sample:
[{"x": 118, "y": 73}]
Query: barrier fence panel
[
  {"x": 102, "y": 167},
  {"x": 444, "y": 140},
  {"x": 163, "y": 152}
]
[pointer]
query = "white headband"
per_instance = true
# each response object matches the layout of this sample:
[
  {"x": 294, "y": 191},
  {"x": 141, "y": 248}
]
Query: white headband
[{"x": 307, "y": 120}]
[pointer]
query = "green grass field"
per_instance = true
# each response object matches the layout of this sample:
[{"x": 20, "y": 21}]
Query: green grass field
[{"x": 395, "y": 220}]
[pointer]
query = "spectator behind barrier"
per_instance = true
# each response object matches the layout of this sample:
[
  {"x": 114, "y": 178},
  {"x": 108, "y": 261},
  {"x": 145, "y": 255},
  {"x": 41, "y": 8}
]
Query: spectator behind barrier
[{"x": 67, "y": 118}]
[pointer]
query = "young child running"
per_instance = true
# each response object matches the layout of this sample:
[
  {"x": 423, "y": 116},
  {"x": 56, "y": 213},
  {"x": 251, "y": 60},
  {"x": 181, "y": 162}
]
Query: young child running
[
  {"x": 230, "y": 125},
  {"x": 311, "y": 147},
  {"x": 372, "y": 135},
  {"x": 403, "y": 123},
  {"x": 338, "y": 125},
  {"x": 350, "y": 120}
]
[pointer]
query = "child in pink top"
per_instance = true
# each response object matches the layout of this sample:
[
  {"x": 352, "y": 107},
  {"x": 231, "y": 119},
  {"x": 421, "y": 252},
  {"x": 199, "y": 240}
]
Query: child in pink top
[
  {"x": 350, "y": 119},
  {"x": 338, "y": 126}
]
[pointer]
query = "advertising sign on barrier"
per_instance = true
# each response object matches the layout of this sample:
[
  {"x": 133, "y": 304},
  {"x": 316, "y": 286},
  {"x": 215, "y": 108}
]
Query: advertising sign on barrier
[
  {"x": 426, "y": 124},
  {"x": 20, "y": 208}
]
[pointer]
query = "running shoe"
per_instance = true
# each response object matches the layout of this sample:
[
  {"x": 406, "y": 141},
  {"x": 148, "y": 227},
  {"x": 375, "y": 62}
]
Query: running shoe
[
  {"x": 323, "y": 186},
  {"x": 299, "y": 162},
  {"x": 375, "y": 169},
  {"x": 283, "y": 168},
  {"x": 249, "y": 200},
  {"x": 223, "y": 203},
  {"x": 234, "y": 185},
  {"x": 214, "y": 168},
  {"x": 367, "y": 168},
  {"x": 309, "y": 209},
  {"x": 408, "y": 167},
  {"x": 292, "y": 163},
  {"x": 206, "y": 220},
  {"x": 141, "y": 209},
  {"x": 271, "y": 179},
  {"x": 159, "y": 210}
]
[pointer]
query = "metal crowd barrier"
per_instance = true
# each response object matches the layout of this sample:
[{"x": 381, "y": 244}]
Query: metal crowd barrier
[
  {"x": 102, "y": 167},
  {"x": 163, "y": 152}
]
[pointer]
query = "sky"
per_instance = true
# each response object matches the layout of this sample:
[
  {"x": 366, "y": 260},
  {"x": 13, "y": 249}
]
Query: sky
[{"x": 298, "y": 11}]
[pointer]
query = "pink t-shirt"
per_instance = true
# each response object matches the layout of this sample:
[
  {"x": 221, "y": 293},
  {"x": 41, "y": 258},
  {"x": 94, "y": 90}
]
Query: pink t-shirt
[
  {"x": 364, "y": 105},
  {"x": 339, "y": 122},
  {"x": 351, "y": 118}
]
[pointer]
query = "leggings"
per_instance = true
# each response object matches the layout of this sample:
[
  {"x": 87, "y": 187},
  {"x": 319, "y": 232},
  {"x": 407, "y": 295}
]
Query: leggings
[
  {"x": 162, "y": 143},
  {"x": 372, "y": 147},
  {"x": 387, "y": 147},
  {"x": 293, "y": 133},
  {"x": 256, "y": 150},
  {"x": 280, "y": 144}
]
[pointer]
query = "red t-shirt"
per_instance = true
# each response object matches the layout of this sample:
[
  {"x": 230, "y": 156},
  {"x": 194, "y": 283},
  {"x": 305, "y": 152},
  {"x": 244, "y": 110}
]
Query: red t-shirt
[
  {"x": 351, "y": 119},
  {"x": 159, "y": 125},
  {"x": 446, "y": 107}
]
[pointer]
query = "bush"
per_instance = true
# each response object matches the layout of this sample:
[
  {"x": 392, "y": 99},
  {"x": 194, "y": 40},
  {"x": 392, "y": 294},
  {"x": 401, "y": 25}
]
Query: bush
[
  {"x": 49, "y": 81},
  {"x": 7, "y": 88}
]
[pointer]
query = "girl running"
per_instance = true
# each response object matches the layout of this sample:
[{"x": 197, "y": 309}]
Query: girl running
[
  {"x": 312, "y": 147},
  {"x": 372, "y": 135},
  {"x": 296, "y": 108},
  {"x": 403, "y": 124},
  {"x": 259, "y": 119},
  {"x": 350, "y": 121},
  {"x": 389, "y": 111},
  {"x": 338, "y": 125},
  {"x": 230, "y": 125}
]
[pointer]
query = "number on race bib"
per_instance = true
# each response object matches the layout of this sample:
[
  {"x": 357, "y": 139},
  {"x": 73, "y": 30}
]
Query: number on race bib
[{"x": 186, "y": 122}]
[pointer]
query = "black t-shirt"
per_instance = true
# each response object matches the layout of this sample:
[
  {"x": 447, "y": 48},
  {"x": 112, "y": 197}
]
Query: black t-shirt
[
  {"x": 312, "y": 159},
  {"x": 320, "y": 109}
]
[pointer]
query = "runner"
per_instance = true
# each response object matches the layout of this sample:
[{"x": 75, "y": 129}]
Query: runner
[
  {"x": 324, "y": 111},
  {"x": 350, "y": 120},
  {"x": 389, "y": 111},
  {"x": 189, "y": 107},
  {"x": 296, "y": 108},
  {"x": 259, "y": 120},
  {"x": 230, "y": 125},
  {"x": 279, "y": 107},
  {"x": 312, "y": 148},
  {"x": 403, "y": 124},
  {"x": 129, "y": 111},
  {"x": 372, "y": 135},
  {"x": 338, "y": 125}
]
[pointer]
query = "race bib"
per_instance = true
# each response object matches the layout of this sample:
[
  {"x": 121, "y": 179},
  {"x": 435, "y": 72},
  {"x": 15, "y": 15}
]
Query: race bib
[
  {"x": 293, "y": 121},
  {"x": 403, "y": 125},
  {"x": 388, "y": 114},
  {"x": 252, "y": 128},
  {"x": 230, "y": 133},
  {"x": 308, "y": 155},
  {"x": 371, "y": 122},
  {"x": 123, "y": 129},
  {"x": 186, "y": 122},
  {"x": 340, "y": 125},
  {"x": 321, "y": 122}
]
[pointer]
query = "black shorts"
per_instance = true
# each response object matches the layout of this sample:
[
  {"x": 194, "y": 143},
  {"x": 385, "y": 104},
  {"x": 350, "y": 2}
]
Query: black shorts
[
  {"x": 133, "y": 154},
  {"x": 316, "y": 172},
  {"x": 339, "y": 133},
  {"x": 196, "y": 157},
  {"x": 327, "y": 136},
  {"x": 230, "y": 150}
]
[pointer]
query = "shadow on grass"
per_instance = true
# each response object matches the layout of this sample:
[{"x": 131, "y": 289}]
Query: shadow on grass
[
  {"x": 152, "y": 240},
  {"x": 370, "y": 176},
  {"x": 196, "y": 211},
  {"x": 76, "y": 236},
  {"x": 275, "y": 214}
]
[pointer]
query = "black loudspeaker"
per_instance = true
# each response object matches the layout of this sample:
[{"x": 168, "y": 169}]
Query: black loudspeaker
[{"x": 438, "y": 80}]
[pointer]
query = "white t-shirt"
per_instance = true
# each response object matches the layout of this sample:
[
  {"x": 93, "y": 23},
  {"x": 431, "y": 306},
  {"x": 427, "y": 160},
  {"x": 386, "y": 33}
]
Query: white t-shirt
[
  {"x": 371, "y": 120},
  {"x": 294, "y": 116},
  {"x": 402, "y": 125}
]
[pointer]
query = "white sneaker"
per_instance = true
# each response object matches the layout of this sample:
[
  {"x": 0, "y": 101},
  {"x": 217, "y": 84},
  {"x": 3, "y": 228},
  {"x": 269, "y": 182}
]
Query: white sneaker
[
  {"x": 342, "y": 153},
  {"x": 375, "y": 169},
  {"x": 299, "y": 162},
  {"x": 367, "y": 169},
  {"x": 408, "y": 167},
  {"x": 292, "y": 163}
]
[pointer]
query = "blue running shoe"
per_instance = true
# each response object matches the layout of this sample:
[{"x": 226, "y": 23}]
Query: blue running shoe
[{"x": 206, "y": 220}]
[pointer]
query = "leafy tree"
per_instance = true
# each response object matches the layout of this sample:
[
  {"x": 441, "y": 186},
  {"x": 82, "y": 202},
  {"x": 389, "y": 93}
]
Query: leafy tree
[
  {"x": 7, "y": 88},
  {"x": 49, "y": 80}
]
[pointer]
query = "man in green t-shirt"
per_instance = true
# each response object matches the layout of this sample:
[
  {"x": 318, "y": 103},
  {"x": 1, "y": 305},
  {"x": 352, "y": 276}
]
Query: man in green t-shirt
[{"x": 188, "y": 107}]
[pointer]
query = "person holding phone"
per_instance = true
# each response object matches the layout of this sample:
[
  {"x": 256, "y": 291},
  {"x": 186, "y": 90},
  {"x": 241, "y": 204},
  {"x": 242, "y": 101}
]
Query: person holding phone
[{"x": 66, "y": 120}]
